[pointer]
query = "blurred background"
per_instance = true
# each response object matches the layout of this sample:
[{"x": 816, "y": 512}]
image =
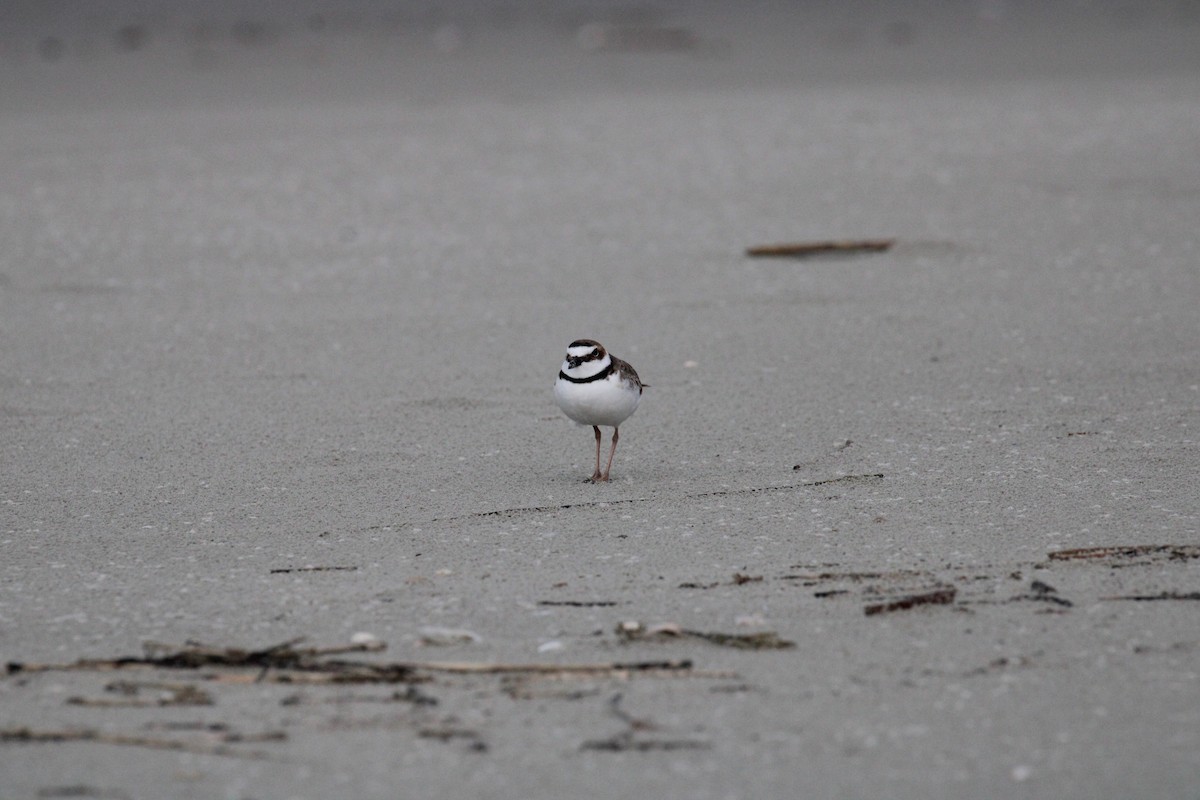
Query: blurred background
[{"x": 130, "y": 53}]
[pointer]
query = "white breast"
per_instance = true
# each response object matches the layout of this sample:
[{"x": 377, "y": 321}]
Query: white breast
[{"x": 605, "y": 402}]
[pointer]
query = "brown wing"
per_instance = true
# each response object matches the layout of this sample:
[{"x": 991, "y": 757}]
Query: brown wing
[{"x": 627, "y": 373}]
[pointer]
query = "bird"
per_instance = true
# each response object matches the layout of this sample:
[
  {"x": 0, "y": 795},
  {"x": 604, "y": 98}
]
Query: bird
[{"x": 596, "y": 388}]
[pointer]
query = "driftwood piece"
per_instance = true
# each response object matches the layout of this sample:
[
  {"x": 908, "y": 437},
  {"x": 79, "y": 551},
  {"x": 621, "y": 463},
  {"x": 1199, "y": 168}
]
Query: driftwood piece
[
  {"x": 216, "y": 746},
  {"x": 820, "y": 248},
  {"x": 1159, "y": 596},
  {"x": 633, "y": 631},
  {"x": 1173, "y": 552},
  {"x": 130, "y": 695},
  {"x": 284, "y": 656},
  {"x": 941, "y": 596},
  {"x": 284, "y": 663}
]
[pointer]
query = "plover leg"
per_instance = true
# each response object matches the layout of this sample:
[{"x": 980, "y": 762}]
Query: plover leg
[
  {"x": 611, "y": 453},
  {"x": 596, "y": 475}
]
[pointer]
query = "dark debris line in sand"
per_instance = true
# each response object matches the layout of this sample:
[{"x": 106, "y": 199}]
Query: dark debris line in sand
[
  {"x": 632, "y": 738},
  {"x": 1159, "y": 596},
  {"x": 289, "y": 570},
  {"x": 764, "y": 640},
  {"x": 284, "y": 663},
  {"x": 905, "y": 589},
  {"x": 1172, "y": 552},
  {"x": 501, "y": 512},
  {"x": 941, "y": 596},
  {"x": 213, "y": 745}
]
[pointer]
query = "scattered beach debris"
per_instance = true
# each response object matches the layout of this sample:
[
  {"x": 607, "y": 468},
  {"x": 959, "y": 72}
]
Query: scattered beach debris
[
  {"x": 633, "y": 631},
  {"x": 435, "y": 636},
  {"x": 578, "y": 603},
  {"x": 999, "y": 665},
  {"x": 281, "y": 663},
  {"x": 738, "y": 580},
  {"x": 733, "y": 688},
  {"x": 447, "y": 733},
  {"x": 854, "y": 576},
  {"x": 285, "y": 663},
  {"x": 833, "y": 247},
  {"x": 214, "y": 744},
  {"x": 1151, "y": 597},
  {"x": 629, "y": 739},
  {"x": 1042, "y": 592},
  {"x": 410, "y": 694},
  {"x": 523, "y": 687},
  {"x": 82, "y": 790},
  {"x": 634, "y": 723},
  {"x": 872, "y": 477},
  {"x": 288, "y": 570},
  {"x": 366, "y": 638},
  {"x": 627, "y": 742},
  {"x": 1175, "y": 647},
  {"x": 168, "y": 694},
  {"x": 605, "y": 37},
  {"x": 940, "y": 596},
  {"x": 1122, "y": 553}
]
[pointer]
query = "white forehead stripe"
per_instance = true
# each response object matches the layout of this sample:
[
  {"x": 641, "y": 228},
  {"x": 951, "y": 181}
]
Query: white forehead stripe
[{"x": 581, "y": 350}]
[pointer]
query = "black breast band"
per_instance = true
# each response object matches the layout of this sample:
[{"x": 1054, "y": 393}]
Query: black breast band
[{"x": 599, "y": 376}]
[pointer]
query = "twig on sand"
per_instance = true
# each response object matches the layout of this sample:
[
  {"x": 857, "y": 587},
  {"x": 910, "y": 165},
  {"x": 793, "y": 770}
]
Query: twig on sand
[
  {"x": 170, "y": 694},
  {"x": 1174, "y": 552},
  {"x": 629, "y": 740},
  {"x": 942, "y": 596},
  {"x": 284, "y": 663},
  {"x": 819, "y": 248},
  {"x": 288, "y": 570},
  {"x": 633, "y": 631},
  {"x": 218, "y": 748},
  {"x": 1159, "y": 596},
  {"x": 195, "y": 655}
]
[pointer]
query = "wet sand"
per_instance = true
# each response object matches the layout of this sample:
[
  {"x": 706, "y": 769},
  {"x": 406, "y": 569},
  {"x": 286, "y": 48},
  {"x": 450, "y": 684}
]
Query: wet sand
[{"x": 279, "y": 336}]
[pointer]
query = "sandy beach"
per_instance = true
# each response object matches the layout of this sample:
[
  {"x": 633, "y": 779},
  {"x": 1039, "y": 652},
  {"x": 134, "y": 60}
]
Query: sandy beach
[{"x": 281, "y": 309}]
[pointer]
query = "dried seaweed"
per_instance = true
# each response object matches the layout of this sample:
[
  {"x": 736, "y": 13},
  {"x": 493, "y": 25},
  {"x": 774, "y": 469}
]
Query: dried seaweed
[
  {"x": 219, "y": 747},
  {"x": 172, "y": 694},
  {"x": 941, "y": 596},
  {"x": 1159, "y": 596},
  {"x": 630, "y": 738},
  {"x": 1044, "y": 593},
  {"x": 765, "y": 640},
  {"x": 284, "y": 663},
  {"x": 738, "y": 579},
  {"x": 626, "y": 742},
  {"x": 1173, "y": 552}
]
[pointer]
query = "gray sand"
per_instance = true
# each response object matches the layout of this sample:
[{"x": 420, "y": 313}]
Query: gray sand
[{"x": 322, "y": 330}]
